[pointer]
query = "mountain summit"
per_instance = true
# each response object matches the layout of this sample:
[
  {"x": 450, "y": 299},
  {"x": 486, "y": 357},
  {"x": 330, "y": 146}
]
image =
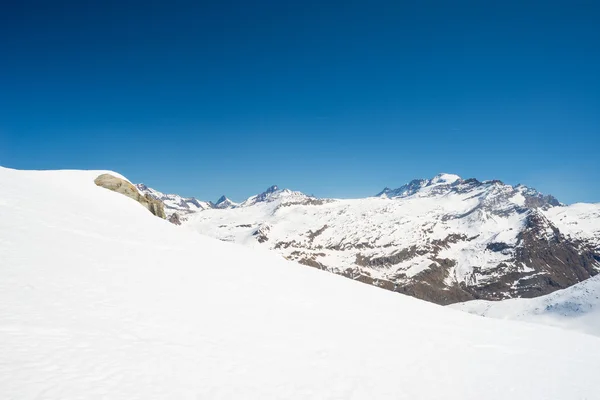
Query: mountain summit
[
  {"x": 417, "y": 184},
  {"x": 274, "y": 193},
  {"x": 224, "y": 203},
  {"x": 444, "y": 184}
]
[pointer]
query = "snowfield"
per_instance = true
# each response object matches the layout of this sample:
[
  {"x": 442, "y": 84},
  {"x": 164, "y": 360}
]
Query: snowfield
[
  {"x": 99, "y": 299},
  {"x": 580, "y": 221},
  {"x": 576, "y": 308}
]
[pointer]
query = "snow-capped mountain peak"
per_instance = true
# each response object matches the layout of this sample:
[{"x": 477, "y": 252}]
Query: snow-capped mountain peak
[
  {"x": 405, "y": 190},
  {"x": 224, "y": 203},
  {"x": 417, "y": 185},
  {"x": 444, "y": 179},
  {"x": 222, "y": 199},
  {"x": 487, "y": 191},
  {"x": 274, "y": 193},
  {"x": 272, "y": 189}
]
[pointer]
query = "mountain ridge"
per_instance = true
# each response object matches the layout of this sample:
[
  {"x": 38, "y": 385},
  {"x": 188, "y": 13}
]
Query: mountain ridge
[{"x": 444, "y": 239}]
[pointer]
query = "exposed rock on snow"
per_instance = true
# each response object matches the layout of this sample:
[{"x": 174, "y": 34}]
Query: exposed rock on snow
[
  {"x": 175, "y": 219},
  {"x": 124, "y": 187}
]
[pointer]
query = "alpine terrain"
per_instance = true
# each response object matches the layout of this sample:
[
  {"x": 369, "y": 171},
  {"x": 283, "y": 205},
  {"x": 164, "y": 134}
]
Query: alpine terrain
[
  {"x": 444, "y": 239},
  {"x": 576, "y": 308},
  {"x": 101, "y": 299}
]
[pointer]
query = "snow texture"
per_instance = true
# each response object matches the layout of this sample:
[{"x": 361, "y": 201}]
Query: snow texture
[
  {"x": 576, "y": 308},
  {"x": 101, "y": 300}
]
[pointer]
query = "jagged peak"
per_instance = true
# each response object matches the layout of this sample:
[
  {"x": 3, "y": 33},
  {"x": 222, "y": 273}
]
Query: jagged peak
[
  {"x": 222, "y": 199},
  {"x": 272, "y": 189},
  {"x": 270, "y": 194},
  {"x": 224, "y": 202},
  {"x": 415, "y": 185},
  {"x": 445, "y": 183}
]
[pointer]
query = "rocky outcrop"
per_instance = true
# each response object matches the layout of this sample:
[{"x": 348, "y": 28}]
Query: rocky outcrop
[
  {"x": 119, "y": 185},
  {"x": 174, "y": 219}
]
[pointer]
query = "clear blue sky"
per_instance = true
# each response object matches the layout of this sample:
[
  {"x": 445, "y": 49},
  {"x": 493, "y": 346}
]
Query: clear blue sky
[{"x": 334, "y": 98}]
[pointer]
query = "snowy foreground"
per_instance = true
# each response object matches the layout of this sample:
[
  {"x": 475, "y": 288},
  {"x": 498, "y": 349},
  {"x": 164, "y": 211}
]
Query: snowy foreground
[
  {"x": 576, "y": 308},
  {"x": 101, "y": 300}
]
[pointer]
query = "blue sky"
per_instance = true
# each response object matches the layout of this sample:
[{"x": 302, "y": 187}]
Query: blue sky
[{"x": 337, "y": 99}]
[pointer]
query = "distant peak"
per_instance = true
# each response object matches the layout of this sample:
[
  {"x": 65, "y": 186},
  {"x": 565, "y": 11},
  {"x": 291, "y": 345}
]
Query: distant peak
[
  {"x": 445, "y": 178},
  {"x": 222, "y": 199},
  {"x": 224, "y": 203},
  {"x": 272, "y": 189},
  {"x": 416, "y": 185}
]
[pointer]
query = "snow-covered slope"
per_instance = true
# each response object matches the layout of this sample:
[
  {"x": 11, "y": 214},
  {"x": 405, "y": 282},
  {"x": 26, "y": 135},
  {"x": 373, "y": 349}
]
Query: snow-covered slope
[
  {"x": 577, "y": 308},
  {"x": 101, "y": 300},
  {"x": 443, "y": 239},
  {"x": 580, "y": 222}
]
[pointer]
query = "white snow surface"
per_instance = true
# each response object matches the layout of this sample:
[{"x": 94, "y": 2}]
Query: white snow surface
[
  {"x": 101, "y": 300},
  {"x": 579, "y": 221},
  {"x": 576, "y": 308}
]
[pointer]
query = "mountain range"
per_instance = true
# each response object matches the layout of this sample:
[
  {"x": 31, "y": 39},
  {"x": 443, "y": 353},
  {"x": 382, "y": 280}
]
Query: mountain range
[{"x": 444, "y": 239}]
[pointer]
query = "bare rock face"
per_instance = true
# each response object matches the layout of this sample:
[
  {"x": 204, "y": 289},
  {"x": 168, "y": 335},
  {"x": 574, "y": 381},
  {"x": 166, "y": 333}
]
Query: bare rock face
[
  {"x": 119, "y": 185},
  {"x": 174, "y": 219}
]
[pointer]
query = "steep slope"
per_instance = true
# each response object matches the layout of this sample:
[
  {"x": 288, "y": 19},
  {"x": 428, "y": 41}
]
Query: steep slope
[
  {"x": 444, "y": 239},
  {"x": 99, "y": 299},
  {"x": 576, "y": 308}
]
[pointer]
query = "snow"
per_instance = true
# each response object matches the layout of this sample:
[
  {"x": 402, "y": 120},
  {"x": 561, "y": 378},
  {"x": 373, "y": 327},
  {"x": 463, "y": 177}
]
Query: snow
[
  {"x": 417, "y": 265},
  {"x": 580, "y": 221},
  {"x": 444, "y": 179},
  {"x": 175, "y": 203},
  {"x": 273, "y": 193},
  {"x": 99, "y": 299},
  {"x": 375, "y": 227},
  {"x": 576, "y": 308}
]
